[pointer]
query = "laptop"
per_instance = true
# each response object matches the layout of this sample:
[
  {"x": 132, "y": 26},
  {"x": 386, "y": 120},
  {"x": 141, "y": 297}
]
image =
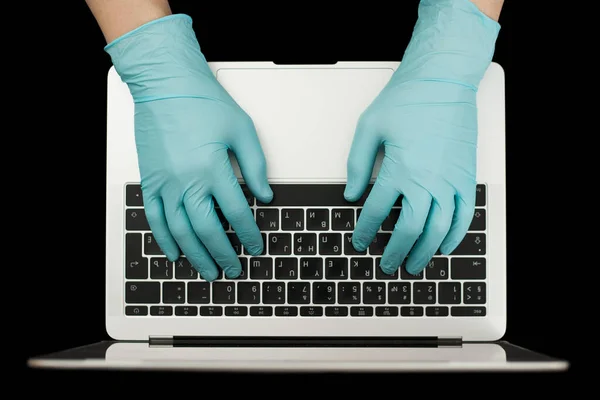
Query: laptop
[{"x": 304, "y": 306}]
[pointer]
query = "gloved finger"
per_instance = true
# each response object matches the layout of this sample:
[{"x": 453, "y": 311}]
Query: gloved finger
[
  {"x": 253, "y": 164},
  {"x": 376, "y": 208},
  {"x": 361, "y": 159},
  {"x": 190, "y": 245},
  {"x": 463, "y": 216},
  {"x": 234, "y": 205},
  {"x": 416, "y": 203},
  {"x": 205, "y": 222},
  {"x": 155, "y": 214},
  {"x": 437, "y": 226}
]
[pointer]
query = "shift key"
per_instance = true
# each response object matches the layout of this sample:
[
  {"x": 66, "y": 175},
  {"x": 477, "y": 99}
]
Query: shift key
[{"x": 142, "y": 292}]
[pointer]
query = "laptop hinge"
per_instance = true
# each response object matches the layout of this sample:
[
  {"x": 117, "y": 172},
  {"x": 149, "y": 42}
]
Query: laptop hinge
[{"x": 286, "y": 341}]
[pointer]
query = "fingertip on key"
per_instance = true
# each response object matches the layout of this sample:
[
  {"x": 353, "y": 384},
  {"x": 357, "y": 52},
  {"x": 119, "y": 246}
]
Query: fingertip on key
[
  {"x": 256, "y": 250},
  {"x": 209, "y": 276},
  {"x": 232, "y": 272},
  {"x": 447, "y": 249}
]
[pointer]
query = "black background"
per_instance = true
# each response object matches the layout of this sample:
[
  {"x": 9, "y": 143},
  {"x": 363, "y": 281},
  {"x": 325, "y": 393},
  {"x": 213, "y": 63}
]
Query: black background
[{"x": 69, "y": 288}]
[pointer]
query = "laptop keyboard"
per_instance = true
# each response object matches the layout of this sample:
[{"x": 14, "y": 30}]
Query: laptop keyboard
[{"x": 309, "y": 267}]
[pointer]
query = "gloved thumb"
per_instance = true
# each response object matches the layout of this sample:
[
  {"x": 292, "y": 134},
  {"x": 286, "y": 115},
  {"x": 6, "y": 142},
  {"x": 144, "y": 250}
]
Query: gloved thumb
[
  {"x": 253, "y": 165},
  {"x": 361, "y": 161}
]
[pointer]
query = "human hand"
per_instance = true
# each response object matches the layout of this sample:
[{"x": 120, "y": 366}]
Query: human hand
[
  {"x": 185, "y": 123},
  {"x": 426, "y": 119}
]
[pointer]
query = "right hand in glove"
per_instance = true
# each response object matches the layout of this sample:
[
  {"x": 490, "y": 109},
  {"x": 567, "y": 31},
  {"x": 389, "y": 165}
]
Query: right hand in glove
[{"x": 185, "y": 123}]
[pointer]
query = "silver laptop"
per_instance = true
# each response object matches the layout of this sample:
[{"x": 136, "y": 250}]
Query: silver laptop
[{"x": 301, "y": 309}]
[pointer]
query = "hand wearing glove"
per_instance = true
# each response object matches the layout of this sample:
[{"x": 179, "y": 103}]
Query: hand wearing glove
[
  {"x": 426, "y": 119},
  {"x": 185, "y": 123}
]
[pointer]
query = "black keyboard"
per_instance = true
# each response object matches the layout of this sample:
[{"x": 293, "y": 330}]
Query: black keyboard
[{"x": 309, "y": 267}]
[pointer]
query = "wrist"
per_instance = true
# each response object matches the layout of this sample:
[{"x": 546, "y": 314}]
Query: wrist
[
  {"x": 453, "y": 41},
  {"x": 160, "y": 59}
]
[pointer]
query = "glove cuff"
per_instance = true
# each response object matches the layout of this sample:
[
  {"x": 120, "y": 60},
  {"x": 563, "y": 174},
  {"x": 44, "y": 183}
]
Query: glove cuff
[
  {"x": 162, "y": 59},
  {"x": 453, "y": 41}
]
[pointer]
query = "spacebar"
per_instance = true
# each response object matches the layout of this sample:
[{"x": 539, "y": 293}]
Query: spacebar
[{"x": 309, "y": 195}]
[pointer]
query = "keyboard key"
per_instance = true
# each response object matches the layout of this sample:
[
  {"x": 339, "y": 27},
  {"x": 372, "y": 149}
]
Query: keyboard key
[
  {"x": 323, "y": 292},
  {"x": 305, "y": 244},
  {"x": 411, "y": 311},
  {"x": 160, "y": 311},
  {"x": 349, "y": 293},
  {"x": 336, "y": 268},
  {"x": 449, "y": 293},
  {"x": 342, "y": 219},
  {"x": 136, "y": 266},
  {"x": 298, "y": 293},
  {"x": 286, "y": 311},
  {"x": 314, "y": 311},
  {"x": 267, "y": 219},
  {"x": 349, "y": 249},
  {"x": 174, "y": 292},
  {"x": 374, "y": 293},
  {"x": 437, "y": 269},
  {"x": 330, "y": 244},
  {"x": 186, "y": 311},
  {"x": 223, "y": 292},
  {"x": 436, "y": 311},
  {"x": 280, "y": 244},
  {"x": 311, "y": 268},
  {"x": 336, "y": 311},
  {"x": 135, "y": 220},
  {"x": 399, "y": 292},
  {"x": 474, "y": 293},
  {"x": 480, "y": 196},
  {"x": 273, "y": 293},
  {"x": 198, "y": 292},
  {"x": 161, "y": 268},
  {"x": 380, "y": 275},
  {"x": 211, "y": 311},
  {"x": 286, "y": 268},
  {"x": 184, "y": 269},
  {"x": 405, "y": 276},
  {"x": 248, "y": 292},
  {"x": 261, "y": 268},
  {"x": 317, "y": 219},
  {"x": 361, "y": 311},
  {"x": 386, "y": 311},
  {"x": 151, "y": 248},
  {"x": 292, "y": 219},
  {"x": 377, "y": 246},
  {"x": 478, "y": 222},
  {"x": 361, "y": 268},
  {"x": 133, "y": 196},
  {"x": 140, "y": 292},
  {"x": 424, "y": 293},
  {"x": 468, "y": 311},
  {"x": 261, "y": 311},
  {"x": 468, "y": 268},
  {"x": 136, "y": 310},
  {"x": 236, "y": 311}
]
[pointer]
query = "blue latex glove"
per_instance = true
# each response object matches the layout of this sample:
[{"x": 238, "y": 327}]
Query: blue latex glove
[
  {"x": 185, "y": 123},
  {"x": 426, "y": 119}
]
